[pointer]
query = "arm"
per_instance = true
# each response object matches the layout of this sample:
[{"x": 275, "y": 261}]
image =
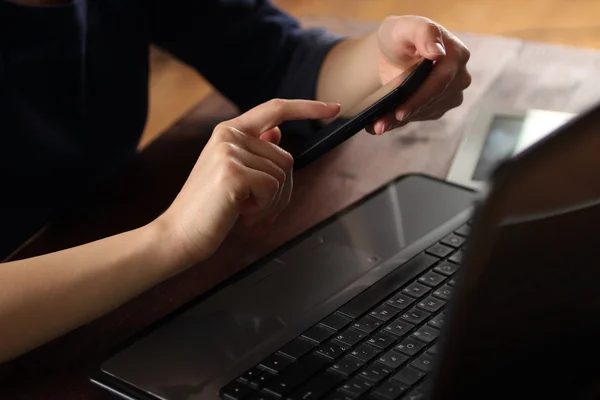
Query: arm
[
  {"x": 241, "y": 174},
  {"x": 46, "y": 296},
  {"x": 248, "y": 49}
]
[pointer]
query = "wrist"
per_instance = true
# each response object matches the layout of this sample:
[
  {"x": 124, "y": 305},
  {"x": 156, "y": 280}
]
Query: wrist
[{"x": 166, "y": 249}]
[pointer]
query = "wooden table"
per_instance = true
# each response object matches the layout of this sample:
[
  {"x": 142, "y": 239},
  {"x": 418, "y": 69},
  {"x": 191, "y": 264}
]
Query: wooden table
[{"x": 506, "y": 73}]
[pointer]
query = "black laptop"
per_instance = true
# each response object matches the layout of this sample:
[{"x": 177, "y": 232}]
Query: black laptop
[{"x": 422, "y": 290}]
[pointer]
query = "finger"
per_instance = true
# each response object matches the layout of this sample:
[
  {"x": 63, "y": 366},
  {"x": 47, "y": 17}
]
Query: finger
[
  {"x": 271, "y": 114},
  {"x": 265, "y": 165},
  {"x": 286, "y": 195},
  {"x": 438, "y": 110},
  {"x": 385, "y": 124},
  {"x": 272, "y": 136},
  {"x": 411, "y": 36},
  {"x": 265, "y": 188},
  {"x": 370, "y": 129},
  {"x": 267, "y": 150},
  {"x": 434, "y": 86},
  {"x": 460, "y": 83}
]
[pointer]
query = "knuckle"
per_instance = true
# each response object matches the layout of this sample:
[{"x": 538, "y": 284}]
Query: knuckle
[
  {"x": 228, "y": 150},
  {"x": 287, "y": 160},
  {"x": 272, "y": 186},
  {"x": 275, "y": 171},
  {"x": 223, "y": 132},
  {"x": 228, "y": 173},
  {"x": 467, "y": 79},
  {"x": 278, "y": 104},
  {"x": 428, "y": 26},
  {"x": 465, "y": 55},
  {"x": 459, "y": 100}
]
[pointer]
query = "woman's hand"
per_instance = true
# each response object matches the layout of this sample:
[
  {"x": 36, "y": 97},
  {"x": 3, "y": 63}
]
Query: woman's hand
[
  {"x": 402, "y": 42},
  {"x": 241, "y": 174}
]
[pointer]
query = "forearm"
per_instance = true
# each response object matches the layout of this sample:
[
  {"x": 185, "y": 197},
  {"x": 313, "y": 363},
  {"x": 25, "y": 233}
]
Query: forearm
[
  {"x": 46, "y": 296},
  {"x": 350, "y": 71}
]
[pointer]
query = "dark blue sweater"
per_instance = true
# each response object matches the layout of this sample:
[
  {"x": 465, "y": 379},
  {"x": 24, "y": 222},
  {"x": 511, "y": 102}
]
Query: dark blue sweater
[{"x": 74, "y": 85}]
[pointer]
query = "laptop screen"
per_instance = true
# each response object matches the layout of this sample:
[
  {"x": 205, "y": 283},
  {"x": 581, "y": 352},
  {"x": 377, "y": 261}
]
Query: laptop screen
[{"x": 526, "y": 321}]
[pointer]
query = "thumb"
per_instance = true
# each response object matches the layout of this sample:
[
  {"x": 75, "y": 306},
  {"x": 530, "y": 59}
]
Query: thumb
[{"x": 419, "y": 33}]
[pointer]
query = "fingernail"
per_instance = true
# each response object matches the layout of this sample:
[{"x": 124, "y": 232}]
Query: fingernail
[
  {"x": 338, "y": 105},
  {"x": 402, "y": 115},
  {"x": 436, "y": 49}
]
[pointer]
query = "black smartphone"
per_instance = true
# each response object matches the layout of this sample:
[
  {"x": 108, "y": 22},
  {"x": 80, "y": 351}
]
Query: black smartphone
[{"x": 357, "y": 117}]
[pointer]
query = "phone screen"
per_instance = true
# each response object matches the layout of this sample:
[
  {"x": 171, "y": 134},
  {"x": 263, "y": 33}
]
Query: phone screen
[
  {"x": 354, "y": 110},
  {"x": 356, "y": 116}
]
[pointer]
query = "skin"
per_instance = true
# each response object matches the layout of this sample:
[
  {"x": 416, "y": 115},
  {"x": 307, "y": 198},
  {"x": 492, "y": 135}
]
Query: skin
[
  {"x": 399, "y": 43},
  {"x": 241, "y": 176}
]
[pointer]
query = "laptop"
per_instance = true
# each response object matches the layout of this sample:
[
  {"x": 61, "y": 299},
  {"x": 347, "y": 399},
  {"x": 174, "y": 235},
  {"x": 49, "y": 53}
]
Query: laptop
[{"x": 422, "y": 290}]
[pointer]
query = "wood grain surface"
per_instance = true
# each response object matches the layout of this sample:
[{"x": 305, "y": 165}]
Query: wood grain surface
[{"x": 175, "y": 88}]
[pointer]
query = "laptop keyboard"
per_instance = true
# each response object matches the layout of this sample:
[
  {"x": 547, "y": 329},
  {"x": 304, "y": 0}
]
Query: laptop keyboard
[{"x": 380, "y": 345}]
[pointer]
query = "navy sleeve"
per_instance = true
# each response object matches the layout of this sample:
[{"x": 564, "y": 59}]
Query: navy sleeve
[{"x": 249, "y": 50}]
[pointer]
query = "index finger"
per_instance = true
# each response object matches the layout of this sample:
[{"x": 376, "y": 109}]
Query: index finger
[{"x": 272, "y": 113}]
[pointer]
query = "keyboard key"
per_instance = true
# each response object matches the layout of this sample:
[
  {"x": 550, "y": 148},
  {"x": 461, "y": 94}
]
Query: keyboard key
[
  {"x": 423, "y": 362},
  {"x": 414, "y": 395},
  {"x": 444, "y": 293},
  {"x": 408, "y": 375},
  {"x": 251, "y": 375},
  {"x": 431, "y": 304},
  {"x": 400, "y": 301},
  {"x": 463, "y": 230},
  {"x": 453, "y": 240},
  {"x": 426, "y": 334},
  {"x": 236, "y": 391},
  {"x": 439, "y": 250},
  {"x": 347, "y": 365},
  {"x": 297, "y": 348},
  {"x": 367, "y": 324},
  {"x": 416, "y": 290},
  {"x": 333, "y": 349},
  {"x": 376, "y": 293},
  {"x": 296, "y": 374},
  {"x": 365, "y": 352},
  {"x": 452, "y": 282},
  {"x": 339, "y": 396},
  {"x": 356, "y": 386},
  {"x": 376, "y": 371},
  {"x": 351, "y": 336},
  {"x": 317, "y": 386},
  {"x": 415, "y": 316},
  {"x": 262, "y": 379},
  {"x": 410, "y": 346},
  {"x": 262, "y": 396},
  {"x": 384, "y": 312},
  {"x": 318, "y": 333},
  {"x": 433, "y": 349},
  {"x": 393, "y": 359},
  {"x": 431, "y": 279},
  {"x": 446, "y": 268},
  {"x": 276, "y": 363},
  {"x": 457, "y": 256},
  {"x": 390, "y": 390},
  {"x": 336, "y": 321},
  {"x": 438, "y": 321},
  {"x": 382, "y": 340},
  {"x": 399, "y": 327}
]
